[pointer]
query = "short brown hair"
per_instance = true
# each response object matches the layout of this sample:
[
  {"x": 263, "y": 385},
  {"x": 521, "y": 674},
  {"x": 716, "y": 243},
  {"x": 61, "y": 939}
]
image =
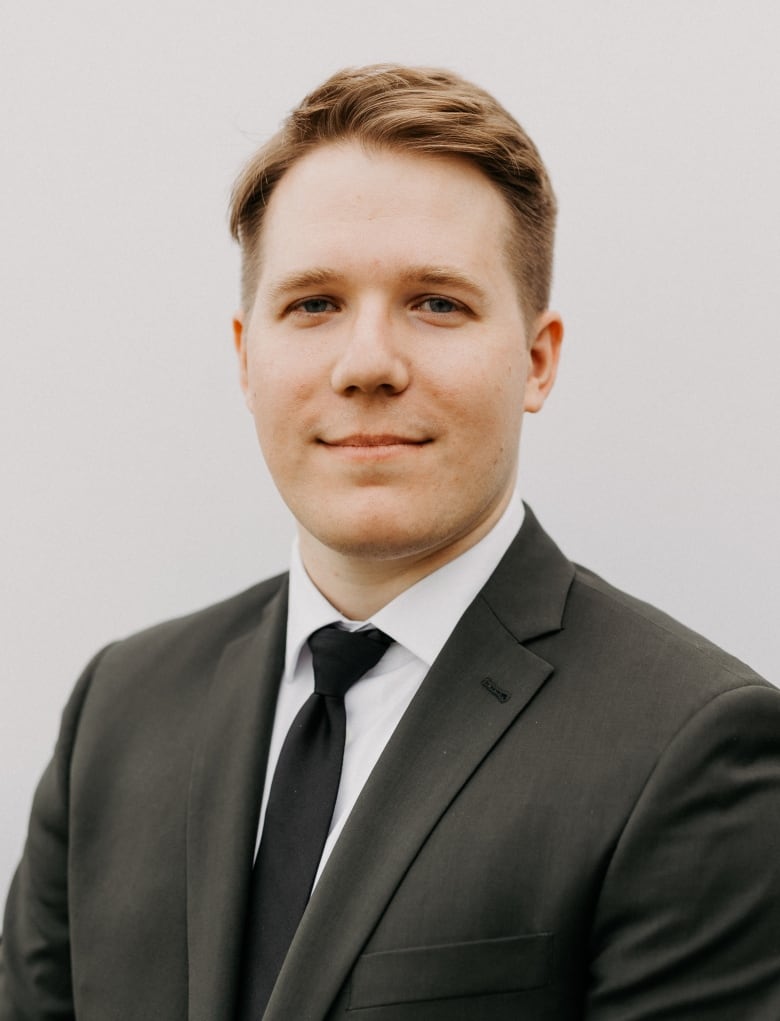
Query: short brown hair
[{"x": 418, "y": 110}]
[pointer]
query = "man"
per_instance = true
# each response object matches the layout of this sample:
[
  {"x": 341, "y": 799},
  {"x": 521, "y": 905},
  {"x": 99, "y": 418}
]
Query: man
[{"x": 554, "y": 801}]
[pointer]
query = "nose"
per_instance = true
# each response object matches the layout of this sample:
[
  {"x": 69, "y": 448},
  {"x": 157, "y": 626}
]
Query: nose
[{"x": 371, "y": 360}]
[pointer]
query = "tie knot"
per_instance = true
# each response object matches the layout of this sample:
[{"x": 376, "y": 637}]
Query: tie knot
[{"x": 342, "y": 657}]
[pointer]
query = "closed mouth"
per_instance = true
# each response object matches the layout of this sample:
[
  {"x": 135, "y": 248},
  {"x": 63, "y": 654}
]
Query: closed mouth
[{"x": 375, "y": 440}]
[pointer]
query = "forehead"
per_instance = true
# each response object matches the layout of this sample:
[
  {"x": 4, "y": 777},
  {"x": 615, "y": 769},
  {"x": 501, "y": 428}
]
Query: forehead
[{"x": 345, "y": 204}]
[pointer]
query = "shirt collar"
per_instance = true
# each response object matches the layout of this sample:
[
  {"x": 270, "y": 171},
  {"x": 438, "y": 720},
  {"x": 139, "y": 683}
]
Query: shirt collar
[{"x": 420, "y": 619}]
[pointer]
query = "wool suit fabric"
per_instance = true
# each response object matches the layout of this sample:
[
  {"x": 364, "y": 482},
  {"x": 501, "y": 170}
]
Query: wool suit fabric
[{"x": 578, "y": 817}]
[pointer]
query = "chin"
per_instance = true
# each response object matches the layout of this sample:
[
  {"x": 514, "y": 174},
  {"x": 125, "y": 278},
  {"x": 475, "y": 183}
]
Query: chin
[
  {"x": 378, "y": 536},
  {"x": 382, "y": 545},
  {"x": 393, "y": 535}
]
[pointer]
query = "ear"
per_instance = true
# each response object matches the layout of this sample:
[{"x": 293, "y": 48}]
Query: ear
[
  {"x": 543, "y": 353},
  {"x": 239, "y": 342}
]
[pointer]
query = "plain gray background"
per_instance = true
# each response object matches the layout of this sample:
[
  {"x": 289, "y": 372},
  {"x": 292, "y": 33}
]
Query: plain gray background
[{"x": 132, "y": 487}]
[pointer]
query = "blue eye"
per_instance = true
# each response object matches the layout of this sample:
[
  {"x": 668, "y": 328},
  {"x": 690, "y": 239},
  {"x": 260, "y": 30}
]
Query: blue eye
[
  {"x": 439, "y": 306},
  {"x": 314, "y": 306}
]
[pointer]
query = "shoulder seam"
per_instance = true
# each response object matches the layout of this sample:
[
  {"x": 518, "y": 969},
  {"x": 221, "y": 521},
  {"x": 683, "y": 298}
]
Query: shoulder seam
[{"x": 706, "y": 648}]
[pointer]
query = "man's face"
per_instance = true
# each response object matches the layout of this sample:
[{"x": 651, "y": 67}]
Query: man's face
[{"x": 385, "y": 359}]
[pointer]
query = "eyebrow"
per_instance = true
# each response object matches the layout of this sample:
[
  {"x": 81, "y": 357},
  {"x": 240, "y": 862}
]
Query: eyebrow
[
  {"x": 443, "y": 276},
  {"x": 430, "y": 275},
  {"x": 316, "y": 277}
]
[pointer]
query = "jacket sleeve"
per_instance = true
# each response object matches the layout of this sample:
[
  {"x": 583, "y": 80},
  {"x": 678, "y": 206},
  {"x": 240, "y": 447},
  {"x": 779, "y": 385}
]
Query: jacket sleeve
[
  {"x": 688, "y": 921},
  {"x": 35, "y": 964}
]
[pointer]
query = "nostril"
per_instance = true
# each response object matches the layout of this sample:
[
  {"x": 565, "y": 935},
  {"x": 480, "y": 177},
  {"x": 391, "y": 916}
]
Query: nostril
[{"x": 369, "y": 374}]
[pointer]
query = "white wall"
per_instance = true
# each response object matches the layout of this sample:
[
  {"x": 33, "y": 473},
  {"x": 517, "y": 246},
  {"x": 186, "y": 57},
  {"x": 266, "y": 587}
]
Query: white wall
[{"x": 132, "y": 489}]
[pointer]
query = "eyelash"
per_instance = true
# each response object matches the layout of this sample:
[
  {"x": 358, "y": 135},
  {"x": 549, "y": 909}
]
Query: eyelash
[
  {"x": 456, "y": 306},
  {"x": 299, "y": 306}
]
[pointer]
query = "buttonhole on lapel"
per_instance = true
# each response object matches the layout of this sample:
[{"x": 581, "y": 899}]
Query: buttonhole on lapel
[{"x": 494, "y": 690}]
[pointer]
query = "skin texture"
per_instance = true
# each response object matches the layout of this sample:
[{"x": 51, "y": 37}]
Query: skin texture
[{"x": 387, "y": 364}]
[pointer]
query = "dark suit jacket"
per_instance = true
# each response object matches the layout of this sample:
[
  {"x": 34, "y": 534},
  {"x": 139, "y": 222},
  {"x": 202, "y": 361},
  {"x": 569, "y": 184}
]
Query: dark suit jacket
[{"x": 578, "y": 817}]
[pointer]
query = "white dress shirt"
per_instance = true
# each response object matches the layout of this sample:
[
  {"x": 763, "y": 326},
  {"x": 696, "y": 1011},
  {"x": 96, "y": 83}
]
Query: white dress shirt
[{"x": 419, "y": 620}]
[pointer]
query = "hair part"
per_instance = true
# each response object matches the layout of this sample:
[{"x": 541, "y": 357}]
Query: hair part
[{"x": 416, "y": 110}]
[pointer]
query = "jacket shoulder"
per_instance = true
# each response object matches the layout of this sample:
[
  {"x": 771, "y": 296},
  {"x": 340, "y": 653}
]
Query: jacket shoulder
[
  {"x": 166, "y": 664},
  {"x": 213, "y": 625},
  {"x": 638, "y": 632}
]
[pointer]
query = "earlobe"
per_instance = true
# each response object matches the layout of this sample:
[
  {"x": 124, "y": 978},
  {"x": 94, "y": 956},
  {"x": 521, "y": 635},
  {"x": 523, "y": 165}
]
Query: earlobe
[{"x": 543, "y": 354}]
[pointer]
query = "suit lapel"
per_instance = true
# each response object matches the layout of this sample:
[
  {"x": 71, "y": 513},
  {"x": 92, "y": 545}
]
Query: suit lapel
[
  {"x": 224, "y": 805},
  {"x": 477, "y": 687}
]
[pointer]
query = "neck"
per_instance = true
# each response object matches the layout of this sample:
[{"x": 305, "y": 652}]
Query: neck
[{"x": 359, "y": 586}]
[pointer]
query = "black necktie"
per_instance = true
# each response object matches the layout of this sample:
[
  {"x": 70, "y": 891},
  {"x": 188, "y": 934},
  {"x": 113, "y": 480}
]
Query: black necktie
[{"x": 300, "y": 808}]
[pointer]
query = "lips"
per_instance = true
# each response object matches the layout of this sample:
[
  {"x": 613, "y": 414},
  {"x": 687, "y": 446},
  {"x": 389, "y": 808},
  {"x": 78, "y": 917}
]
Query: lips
[{"x": 375, "y": 440}]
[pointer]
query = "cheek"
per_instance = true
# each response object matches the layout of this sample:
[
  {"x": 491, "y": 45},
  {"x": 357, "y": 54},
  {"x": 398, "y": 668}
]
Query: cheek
[
  {"x": 284, "y": 426},
  {"x": 496, "y": 426},
  {"x": 276, "y": 391},
  {"x": 492, "y": 401}
]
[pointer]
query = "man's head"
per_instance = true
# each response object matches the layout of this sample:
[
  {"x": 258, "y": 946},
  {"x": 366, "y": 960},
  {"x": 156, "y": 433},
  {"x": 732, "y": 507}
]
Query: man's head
[
  {"x": 386, "y": 350},
  {"x": 419, "y": 111}
]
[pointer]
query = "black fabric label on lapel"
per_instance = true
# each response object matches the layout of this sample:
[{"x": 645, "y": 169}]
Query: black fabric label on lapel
[{"x": 494, "y": 690}]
